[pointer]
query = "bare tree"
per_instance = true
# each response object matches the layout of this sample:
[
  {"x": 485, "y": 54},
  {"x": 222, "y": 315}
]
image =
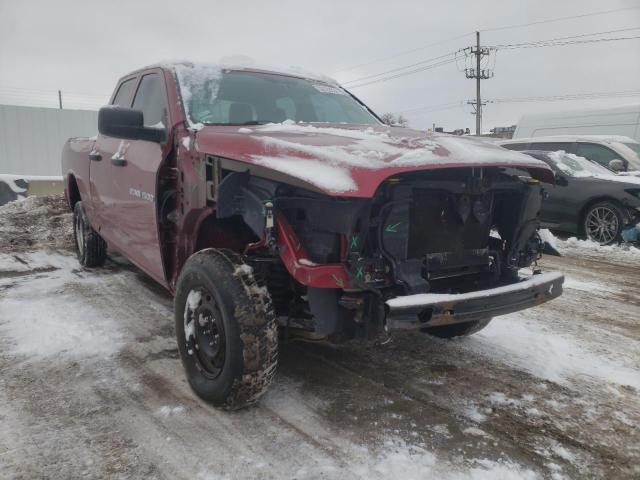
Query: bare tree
[{"x": 393, "y": 120}]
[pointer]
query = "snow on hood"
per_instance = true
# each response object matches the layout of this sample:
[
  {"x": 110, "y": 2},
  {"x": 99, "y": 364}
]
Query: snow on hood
[{"x": 353, "y": 160}]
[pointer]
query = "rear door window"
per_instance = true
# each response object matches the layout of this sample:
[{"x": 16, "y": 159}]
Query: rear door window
[
  {"x": 597, "y": 153},
  {"x": 151, "y": 99},
  {"x": 123, "y": 97}
]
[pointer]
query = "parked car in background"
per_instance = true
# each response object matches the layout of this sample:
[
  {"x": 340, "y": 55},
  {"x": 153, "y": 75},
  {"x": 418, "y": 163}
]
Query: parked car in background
[
  {"x": 588, "y": 199},
  {"x": 623, "y": 120},
  {"x": 616, "y": 153}
]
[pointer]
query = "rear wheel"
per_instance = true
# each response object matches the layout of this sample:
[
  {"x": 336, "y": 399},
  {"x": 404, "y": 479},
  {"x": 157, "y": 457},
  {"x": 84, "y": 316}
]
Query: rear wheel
[
  {"x": 603, "y": 223},
  {"x": 91, "y": 249},
  {"x": 457, "y": 329},
  {"x": 226, "y": 329}
]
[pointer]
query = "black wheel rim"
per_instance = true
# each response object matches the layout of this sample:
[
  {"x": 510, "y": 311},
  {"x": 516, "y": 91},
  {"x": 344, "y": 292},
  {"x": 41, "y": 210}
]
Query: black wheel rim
[
  {"x": 79, "y": 231},
  {"x": 204, "y": 332},
  {"x": 602, "y": 225}
]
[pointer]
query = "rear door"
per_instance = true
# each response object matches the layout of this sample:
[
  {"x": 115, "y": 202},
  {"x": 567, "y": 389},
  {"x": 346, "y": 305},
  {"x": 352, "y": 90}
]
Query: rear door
[{"x": 128, "y": 186}]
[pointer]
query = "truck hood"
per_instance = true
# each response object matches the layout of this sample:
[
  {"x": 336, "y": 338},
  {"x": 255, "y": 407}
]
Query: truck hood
[{"x": 352, "y": 160}]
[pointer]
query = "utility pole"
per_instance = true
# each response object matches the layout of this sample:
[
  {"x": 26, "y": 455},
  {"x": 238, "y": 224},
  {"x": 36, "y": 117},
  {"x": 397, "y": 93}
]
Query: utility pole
[
  {"x": 60, "y": 99},
  {"x": 478, "y": 74},
  {"x": 478, "y": 102}
]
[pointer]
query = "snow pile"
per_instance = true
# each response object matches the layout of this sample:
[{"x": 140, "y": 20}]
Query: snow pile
[
  {"x": 587, "y": 248},
  {"x": 36, "y": 222}
]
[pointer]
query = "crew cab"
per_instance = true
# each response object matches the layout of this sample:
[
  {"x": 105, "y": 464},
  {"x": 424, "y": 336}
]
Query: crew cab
[{"x": 268, "y": 200}]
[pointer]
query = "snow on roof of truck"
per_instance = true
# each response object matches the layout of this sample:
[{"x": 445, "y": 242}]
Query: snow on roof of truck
[
  {"x": 573, "y": 138},
  {"x": 246, "y": 64}
]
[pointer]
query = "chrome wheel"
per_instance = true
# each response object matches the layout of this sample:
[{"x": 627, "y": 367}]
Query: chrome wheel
[{"x": 602, "y": 225}]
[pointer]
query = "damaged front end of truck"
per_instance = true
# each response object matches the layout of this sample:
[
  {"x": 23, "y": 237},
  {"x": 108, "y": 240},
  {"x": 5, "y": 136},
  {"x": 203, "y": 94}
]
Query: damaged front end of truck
[{"x": 439, "y": 250}]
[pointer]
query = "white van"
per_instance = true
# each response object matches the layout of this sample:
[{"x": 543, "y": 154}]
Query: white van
[
  {"x": 605, "y": 121},
  {"x": 614, "y": 152}
]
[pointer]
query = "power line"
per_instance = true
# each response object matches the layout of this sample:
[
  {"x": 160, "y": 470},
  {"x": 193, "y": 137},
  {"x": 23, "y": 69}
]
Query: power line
[
  {"x": 402, "y": 53},
  {"x": 568, "y": 96},
  {"x": 395, "y": 70},
  {"x": 402, "y": 74},
  {"x": 558, "y": 19},
  {"x": 506, "y": 27},
  {"x": 551, "y": 43},
  {"x": 434, "y": 108}
]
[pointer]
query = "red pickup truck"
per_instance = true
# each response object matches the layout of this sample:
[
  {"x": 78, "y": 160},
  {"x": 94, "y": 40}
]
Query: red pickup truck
[{"x": 267, "y": 201}]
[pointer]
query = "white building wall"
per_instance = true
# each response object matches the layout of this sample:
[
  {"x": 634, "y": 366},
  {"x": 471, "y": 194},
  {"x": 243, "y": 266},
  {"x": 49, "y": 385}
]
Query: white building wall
[{"x": 31, "y": 138}]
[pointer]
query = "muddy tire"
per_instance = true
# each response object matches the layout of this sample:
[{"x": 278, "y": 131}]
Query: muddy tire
[
  {"x": 603, "y": 223},
  {"x": 457, "y": 329},
  {"x": 226, "y": 329},
  {"x": 91, "y": 249}
]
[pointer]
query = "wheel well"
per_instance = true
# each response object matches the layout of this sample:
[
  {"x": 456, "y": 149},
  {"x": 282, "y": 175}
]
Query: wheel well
[
  {"x": 73, "y": 193},
  {"x": 589, "y": 204},
  {"x": 232, "y": 233}
]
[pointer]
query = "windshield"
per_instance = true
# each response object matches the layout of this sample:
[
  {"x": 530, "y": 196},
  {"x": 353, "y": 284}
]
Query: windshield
[
  {"x": 575, "y": 166},
  {"x": 216, "y": 96}
]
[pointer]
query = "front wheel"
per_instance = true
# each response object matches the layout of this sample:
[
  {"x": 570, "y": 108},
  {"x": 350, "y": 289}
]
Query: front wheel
[
  {"x": 457, "y": 329},
  {"x": 226, "y": 329},
  {"x": 603, "y": 223}
]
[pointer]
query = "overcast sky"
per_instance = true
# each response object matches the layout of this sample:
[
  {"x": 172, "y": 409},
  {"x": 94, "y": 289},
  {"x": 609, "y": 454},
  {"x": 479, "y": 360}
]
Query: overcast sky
[{"x": 83, "y": 47}]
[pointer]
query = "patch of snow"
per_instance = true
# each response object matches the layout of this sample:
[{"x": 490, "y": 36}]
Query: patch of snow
[
  {"x": 436, "y": 298},
  {"x": 243, "y": 269},
  {"x": 546, "y": 236},
  {"x": 39, "y": 320},
  {"x": 192, "y": 303},
  {"x": 585, "y": 286},
  {"x": 186, "y": 142},
  {"x": 526, "y": 345},
  {"x": 473, "y": 413},
  {"x": 244, "y": 130},
  {"x": 317, "y": 173},
  {"x": 168, "y": 410},
  {"x": 577, "y": 248}
]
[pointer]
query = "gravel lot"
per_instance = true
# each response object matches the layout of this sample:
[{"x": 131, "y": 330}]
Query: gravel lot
[{"x": 91, "y": 384}]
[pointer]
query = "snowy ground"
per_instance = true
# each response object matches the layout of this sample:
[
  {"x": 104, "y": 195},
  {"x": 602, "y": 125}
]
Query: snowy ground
[{"x": 91, "y": 384}]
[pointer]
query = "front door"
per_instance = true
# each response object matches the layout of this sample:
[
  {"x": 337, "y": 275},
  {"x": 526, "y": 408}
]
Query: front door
[{"x": 125, "y": 182}]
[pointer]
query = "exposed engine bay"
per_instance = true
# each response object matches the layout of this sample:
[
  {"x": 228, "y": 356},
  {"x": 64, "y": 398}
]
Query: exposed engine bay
[{"x": 331, "y": 264}]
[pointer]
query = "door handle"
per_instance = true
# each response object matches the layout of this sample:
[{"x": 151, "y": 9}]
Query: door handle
[
  {"x": 95, "y": 156},
  {"x": 119, "y": 162}
]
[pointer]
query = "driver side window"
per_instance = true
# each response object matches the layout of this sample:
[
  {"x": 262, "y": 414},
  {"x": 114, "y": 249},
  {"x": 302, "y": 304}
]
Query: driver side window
[{"x": 150, "y": 98}]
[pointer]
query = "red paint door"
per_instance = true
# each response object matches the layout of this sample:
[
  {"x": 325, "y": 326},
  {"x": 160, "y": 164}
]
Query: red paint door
[{"x": 125, "y": 183}]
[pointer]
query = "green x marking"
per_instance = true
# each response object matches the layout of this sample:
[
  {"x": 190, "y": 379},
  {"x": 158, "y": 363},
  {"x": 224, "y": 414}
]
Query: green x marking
[
  {"x": 359, "y": 272},
  {"x": 354, "y": 242}
]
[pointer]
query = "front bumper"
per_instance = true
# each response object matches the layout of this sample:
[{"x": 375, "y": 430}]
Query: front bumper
[{"x": 433, "y": 309}]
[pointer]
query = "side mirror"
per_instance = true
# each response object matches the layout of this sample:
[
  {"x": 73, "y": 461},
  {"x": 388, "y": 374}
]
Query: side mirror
[
  {"x": 561, "y": 180},
  {"x": 120, "y": 122},
  {"x": 617, "y": 165}
]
